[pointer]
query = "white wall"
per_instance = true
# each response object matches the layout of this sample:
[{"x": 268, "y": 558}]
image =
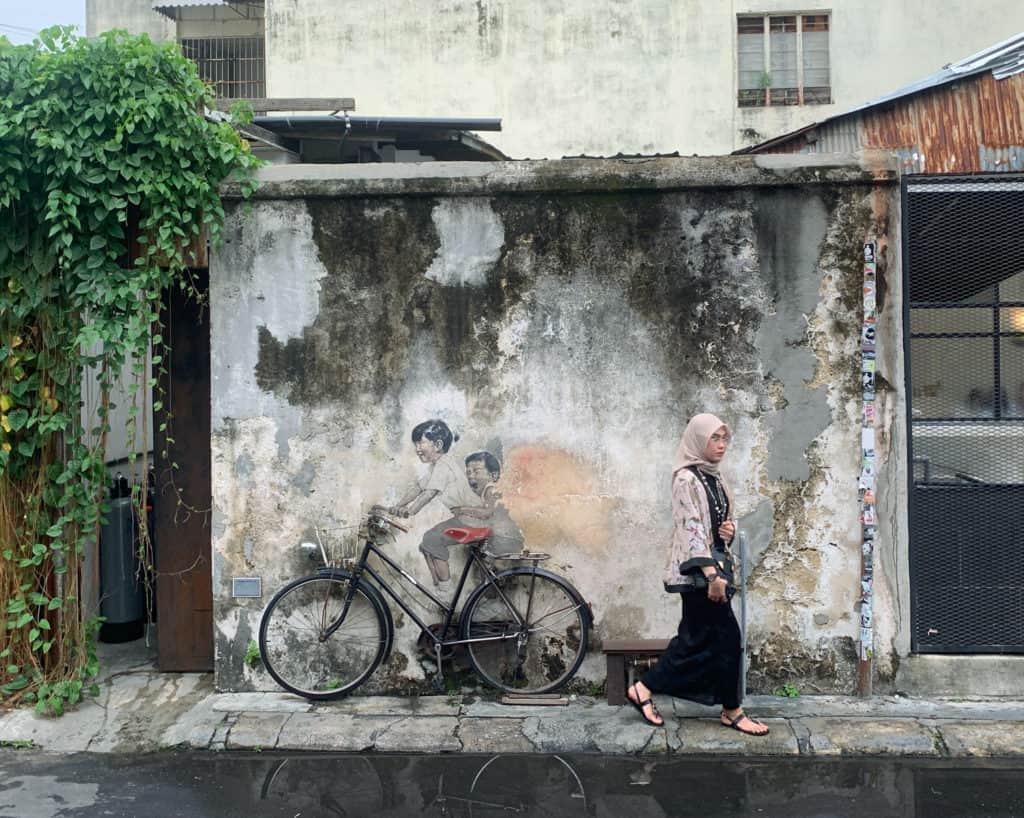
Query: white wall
[
  {"x": 585, "y": 76},
  {"x": 600, "y": 76},
  {"x": 136, "y": 16}
]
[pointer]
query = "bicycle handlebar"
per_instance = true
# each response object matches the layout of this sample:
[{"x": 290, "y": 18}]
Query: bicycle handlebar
[{"x": 379, "y": 514}]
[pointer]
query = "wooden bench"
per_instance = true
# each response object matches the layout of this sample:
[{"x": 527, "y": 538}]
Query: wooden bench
[{"x": 619, "y": 655}]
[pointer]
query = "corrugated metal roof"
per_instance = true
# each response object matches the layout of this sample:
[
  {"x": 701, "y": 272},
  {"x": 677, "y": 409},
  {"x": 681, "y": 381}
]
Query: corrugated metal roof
[
  {"x": 167, "y": 7},
  {"x": 166, "y": 4},
  {"x": 1003, "y": 60}
]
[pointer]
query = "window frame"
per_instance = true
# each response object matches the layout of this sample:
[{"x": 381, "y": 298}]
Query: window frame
[
  {"x": 243, "y": 55},
  {"x": 996, "y": 305},
  {"x": 762, "y": 98}
]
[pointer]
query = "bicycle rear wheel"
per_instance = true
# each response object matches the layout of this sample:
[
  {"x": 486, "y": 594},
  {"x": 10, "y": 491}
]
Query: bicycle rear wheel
[
  {"x": 526, "y": 646},
  {"x": 298, "y": 655}
]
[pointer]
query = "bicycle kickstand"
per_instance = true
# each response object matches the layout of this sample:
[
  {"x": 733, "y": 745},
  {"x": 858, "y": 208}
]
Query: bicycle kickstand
[{"x": 438, "y": 682}]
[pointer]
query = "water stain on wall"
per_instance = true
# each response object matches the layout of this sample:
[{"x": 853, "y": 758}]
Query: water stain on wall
[{"x": 555, "y": 498}]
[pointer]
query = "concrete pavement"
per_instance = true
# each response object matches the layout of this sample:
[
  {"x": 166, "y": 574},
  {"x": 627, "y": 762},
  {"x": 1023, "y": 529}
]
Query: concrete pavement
[{"x": 142, "y": 710}]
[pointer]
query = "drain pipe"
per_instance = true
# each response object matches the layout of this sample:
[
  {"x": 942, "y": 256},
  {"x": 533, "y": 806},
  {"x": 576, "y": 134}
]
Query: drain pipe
[{"x": 743, "y": 612}]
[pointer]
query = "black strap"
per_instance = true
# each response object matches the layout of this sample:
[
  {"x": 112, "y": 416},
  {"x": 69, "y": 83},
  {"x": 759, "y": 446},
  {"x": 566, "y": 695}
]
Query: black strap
[{"x": 710, "y": 484}]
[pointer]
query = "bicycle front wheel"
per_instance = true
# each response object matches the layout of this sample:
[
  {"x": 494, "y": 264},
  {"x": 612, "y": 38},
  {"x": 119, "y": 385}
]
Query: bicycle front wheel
[
  {"x": 528, "y": 631},
  {"x": 296, "y": 649}
]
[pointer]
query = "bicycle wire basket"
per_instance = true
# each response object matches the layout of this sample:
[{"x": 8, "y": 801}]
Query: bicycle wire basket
[{"x": 338, "y": 546}]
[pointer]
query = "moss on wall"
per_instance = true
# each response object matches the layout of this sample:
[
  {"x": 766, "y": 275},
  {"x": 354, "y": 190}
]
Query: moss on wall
[{"x": 571, "y": 334}]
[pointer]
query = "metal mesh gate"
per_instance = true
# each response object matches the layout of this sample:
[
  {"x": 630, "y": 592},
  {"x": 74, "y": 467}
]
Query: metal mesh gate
[{"x": 964, "y": 267}]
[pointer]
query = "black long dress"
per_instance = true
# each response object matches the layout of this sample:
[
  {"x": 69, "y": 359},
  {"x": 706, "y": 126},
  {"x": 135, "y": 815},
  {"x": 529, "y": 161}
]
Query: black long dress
[{"x": 703, "y": 661}]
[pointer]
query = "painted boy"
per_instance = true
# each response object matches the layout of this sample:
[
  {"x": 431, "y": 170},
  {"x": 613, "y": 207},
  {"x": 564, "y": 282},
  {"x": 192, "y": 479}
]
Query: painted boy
[{"x": 483, "y": 471}]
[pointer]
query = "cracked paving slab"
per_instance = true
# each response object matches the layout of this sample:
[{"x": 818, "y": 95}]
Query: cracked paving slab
[
  {"x": 260, "y": 703},
  {"x": 131, "y": 714},
  {"x": 393, "y": 706},
  {"x": 486, "y": 709},
  {"x": 195, "y": 728},
  {"x": 69, "y": 734},
  {"x": 423, "y": 734},
  {"x": 875, "y": 737},
  {"x": 256, "y": 731},
  {"x": 709, "y": 737},
  {"x": 493, "y": 735},
  {"x": 983, "y": 739},
  {"x": 140, "y": 708},
  {"x": 333, "y": 731},
  {"x": 604, "y": 730}
]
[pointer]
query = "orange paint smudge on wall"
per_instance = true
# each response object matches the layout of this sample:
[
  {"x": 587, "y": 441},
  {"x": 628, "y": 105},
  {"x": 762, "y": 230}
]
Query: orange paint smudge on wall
[{"x": 555, "y": 498}]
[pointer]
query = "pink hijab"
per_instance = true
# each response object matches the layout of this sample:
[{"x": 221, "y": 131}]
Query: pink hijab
[{"x": 695, "y": 443}]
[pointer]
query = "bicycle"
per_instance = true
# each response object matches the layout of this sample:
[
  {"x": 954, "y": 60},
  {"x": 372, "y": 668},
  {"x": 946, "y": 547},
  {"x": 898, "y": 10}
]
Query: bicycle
[
  {"x": 525, "y": 629},
  {"x": 535, "y": 785}
]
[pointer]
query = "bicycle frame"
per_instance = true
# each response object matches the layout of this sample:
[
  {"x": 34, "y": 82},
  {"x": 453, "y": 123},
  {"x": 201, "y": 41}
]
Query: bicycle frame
[{"x": 363, "y": 567}]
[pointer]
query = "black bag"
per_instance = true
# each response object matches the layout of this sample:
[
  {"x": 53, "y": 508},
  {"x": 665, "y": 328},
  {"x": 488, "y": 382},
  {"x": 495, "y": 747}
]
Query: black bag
[{"x": 723, "y": 564}]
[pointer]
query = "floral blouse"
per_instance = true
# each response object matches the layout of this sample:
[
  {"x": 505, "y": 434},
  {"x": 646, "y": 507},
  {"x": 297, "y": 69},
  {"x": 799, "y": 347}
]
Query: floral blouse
[{"x": 691, "y": 535}]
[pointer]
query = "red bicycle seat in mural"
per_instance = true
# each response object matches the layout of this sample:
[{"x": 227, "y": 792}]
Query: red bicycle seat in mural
[{"x": 467, "y": 535}]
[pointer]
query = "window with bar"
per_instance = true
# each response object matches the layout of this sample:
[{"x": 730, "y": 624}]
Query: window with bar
[
  {"x": 234, "y": 66},
  {"x": 783, "y": 59}
]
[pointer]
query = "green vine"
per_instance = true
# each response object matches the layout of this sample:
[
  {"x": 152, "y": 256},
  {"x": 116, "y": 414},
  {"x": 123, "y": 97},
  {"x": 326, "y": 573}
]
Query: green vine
[{"x": 109, "y": 172}]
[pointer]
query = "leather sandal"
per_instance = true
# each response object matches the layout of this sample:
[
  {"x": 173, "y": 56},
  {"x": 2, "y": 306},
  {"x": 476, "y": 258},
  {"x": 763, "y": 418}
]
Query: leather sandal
[
  {"x": 736, "y": 722},
  {"x": 639, "y": 706}
]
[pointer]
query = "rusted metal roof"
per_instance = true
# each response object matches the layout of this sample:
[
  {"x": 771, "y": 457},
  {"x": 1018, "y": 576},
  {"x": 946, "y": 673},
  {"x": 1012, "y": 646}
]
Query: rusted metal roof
[
  {"x": 928, "y": 105},
  {"x": 969, "y": 127},
  {"x": 975, "y": 126}
]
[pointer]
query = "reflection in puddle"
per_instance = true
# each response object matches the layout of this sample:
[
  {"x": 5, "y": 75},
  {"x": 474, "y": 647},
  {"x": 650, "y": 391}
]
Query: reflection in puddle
[
  {"x": 643, "y": 788},
  {"x": 348, "y": 786}
]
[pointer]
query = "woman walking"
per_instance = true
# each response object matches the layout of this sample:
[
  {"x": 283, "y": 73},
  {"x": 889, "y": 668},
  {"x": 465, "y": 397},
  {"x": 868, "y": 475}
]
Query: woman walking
[{"x": 703, "y": 661}]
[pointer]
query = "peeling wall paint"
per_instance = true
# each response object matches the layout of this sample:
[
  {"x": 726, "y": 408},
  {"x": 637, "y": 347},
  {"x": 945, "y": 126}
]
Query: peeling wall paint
[
  {"x": 471, "y": 240},
  {"x": 571, "y": 334}
]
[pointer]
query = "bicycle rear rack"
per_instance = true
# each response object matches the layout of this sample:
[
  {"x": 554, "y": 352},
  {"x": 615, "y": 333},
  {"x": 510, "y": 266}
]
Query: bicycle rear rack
[{"x": 522, "y": 556}]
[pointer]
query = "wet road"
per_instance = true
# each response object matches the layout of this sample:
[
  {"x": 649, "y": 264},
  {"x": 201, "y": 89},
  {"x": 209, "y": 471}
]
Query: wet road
[{"x": 225, "y": 785}]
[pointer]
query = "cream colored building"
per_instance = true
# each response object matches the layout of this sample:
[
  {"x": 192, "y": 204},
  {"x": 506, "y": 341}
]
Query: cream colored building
[{"x": 596, "y": 77}]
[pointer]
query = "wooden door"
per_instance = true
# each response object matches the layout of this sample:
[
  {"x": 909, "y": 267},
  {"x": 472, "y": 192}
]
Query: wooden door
[{"x": 184, "y": 584}]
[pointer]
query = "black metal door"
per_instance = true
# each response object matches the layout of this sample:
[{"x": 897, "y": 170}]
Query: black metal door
[{"x": 963, "y": 258}]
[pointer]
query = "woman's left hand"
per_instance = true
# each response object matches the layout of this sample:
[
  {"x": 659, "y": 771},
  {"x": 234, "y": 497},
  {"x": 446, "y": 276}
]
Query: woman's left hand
[{"x": 727, "y": 530}]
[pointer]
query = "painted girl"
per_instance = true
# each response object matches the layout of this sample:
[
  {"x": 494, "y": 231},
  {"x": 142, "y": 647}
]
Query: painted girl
[{"x": 444, "y": 480}]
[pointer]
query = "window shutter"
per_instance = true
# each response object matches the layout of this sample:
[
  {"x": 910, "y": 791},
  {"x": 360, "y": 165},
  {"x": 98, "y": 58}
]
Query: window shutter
[
  {"x": 751, "y": 52},
  {"x": 785, "y": 81},
  {"x": 817, "y": 82},
  {"x": 750, "y": 60}
]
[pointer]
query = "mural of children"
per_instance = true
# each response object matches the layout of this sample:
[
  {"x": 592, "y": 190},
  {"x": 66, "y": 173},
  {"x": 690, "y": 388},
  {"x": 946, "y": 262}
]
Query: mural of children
[
  {"x": 444, "y": 480},
  {"x": 483, "y": 471}
]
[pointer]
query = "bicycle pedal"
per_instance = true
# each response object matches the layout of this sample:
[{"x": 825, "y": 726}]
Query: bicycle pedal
[{"x": 428, "y": 651}]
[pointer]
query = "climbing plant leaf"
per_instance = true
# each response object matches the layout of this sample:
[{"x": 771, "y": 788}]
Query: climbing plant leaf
[{"x": 110, "y": 163}]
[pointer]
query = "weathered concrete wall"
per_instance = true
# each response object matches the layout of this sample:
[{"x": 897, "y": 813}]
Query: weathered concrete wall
[{"x": 569, "y": 317}]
